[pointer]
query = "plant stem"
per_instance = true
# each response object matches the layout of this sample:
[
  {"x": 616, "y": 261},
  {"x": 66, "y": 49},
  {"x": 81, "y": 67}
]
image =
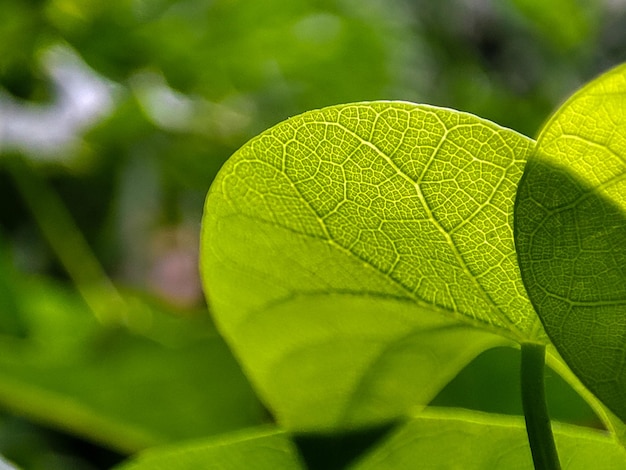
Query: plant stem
[{"x": 538, "y": 425}]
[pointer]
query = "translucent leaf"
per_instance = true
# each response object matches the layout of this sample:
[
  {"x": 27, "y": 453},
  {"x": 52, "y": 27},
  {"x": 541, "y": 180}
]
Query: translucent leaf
[
  {"x": 570, "y": 224},
  {"x": 254, "y": 449},
  {"x": 454, "y": 439},
  {"x": 435, "y": 439},
  {"x": 337, "y": 242}
]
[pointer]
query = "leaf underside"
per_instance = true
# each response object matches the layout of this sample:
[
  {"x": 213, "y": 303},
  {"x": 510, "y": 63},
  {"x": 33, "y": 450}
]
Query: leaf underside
[
  {"x": 570, "y": 223},
  {"x": 336, "y": 241},
  {"x": 437, "y": 438}
]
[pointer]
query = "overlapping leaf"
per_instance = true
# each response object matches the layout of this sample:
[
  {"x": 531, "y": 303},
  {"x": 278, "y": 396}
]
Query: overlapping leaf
[
  {"x": 571, "y": 234},
  {"x": 435, "y": 439},
  {"x": 444, "y": 438},
  {"x": 337, "y": 241}
]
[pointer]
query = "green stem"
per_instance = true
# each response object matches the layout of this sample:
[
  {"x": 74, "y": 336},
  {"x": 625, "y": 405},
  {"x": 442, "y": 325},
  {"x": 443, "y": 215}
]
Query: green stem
[{"x": 538, "y": 425}]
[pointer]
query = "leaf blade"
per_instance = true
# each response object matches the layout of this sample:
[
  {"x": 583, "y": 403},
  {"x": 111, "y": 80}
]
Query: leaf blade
[
  {"x": 448, "y": 438},
  {"x": 570, "y": 227},
  {"x": 386, "y": 200},
  {"x": 255, "y": 449},
  {"x": 436, "y": 438}
]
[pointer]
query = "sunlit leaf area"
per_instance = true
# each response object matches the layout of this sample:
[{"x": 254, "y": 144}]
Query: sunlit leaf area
[{"x": 353, "y": 293}]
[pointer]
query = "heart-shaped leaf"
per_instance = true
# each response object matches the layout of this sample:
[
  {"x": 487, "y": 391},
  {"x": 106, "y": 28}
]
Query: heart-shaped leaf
[
  {"x": 349, "y": 252},
  {"x": 334, "y": 241},
  {"x": 570, "y": 228}
]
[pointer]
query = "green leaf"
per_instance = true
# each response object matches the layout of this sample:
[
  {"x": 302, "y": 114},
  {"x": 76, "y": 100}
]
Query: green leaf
[
  {"x": 253, "y": 449},
  {"x": 570, "y": 223},
  {"x": 116, "y": 387},
  {"x": 434, "y": 439},
  {"x": 348, "y": 254},
  {"x": 567, "y": 24},
  {"x": 446, "y": 438}
]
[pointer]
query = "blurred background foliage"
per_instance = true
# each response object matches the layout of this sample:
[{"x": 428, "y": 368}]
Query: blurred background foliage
[{"x": 114, "y": 118}]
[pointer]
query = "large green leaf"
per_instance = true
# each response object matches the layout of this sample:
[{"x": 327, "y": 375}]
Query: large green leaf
[
  {"x": 570, "y": 224},
  {"x": 349, "y": 252}
]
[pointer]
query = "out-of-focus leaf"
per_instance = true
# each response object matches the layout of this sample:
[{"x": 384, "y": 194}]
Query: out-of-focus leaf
[
  {"x": 122, "y": 389},
  {"x": 11, "y": 322},
  {"x": 565, "y": 23},
  {"x": 21, "y": 24},
  {"x": 257, "y": 48},
  {"x": 219, "y": 48}
]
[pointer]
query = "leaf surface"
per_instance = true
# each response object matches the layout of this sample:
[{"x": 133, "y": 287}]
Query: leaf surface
[
  {"x": 455, "y": 439},
  {"x": 434, "y": 439},
  {"x": 337, "y": 241},
  {"x": 253, "y": 449},
  {"x": 570, "y": 227}
]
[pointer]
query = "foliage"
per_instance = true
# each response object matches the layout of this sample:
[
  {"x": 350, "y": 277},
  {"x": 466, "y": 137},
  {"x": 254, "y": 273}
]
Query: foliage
[
  {"x": 362, "y": 232},
  {"x": 436, "y": 438},
  {"x": 571, "y": 229},
  {"x": 115, "y": 118}
]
